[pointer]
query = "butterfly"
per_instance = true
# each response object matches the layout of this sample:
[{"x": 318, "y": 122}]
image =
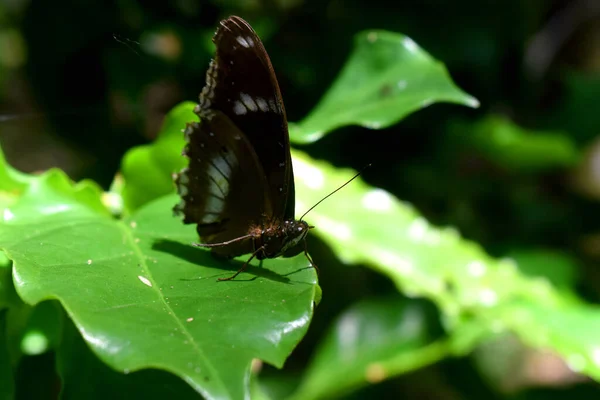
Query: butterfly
[{"x": 239, "y": 185}]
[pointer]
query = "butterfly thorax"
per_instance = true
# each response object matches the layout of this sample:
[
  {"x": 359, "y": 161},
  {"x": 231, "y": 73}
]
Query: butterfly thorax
[{"x": 279, "y": 239}]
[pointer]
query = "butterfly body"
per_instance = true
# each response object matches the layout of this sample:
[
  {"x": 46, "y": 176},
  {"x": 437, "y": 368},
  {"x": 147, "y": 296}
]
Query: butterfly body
[
  {"x": 279, "y": 239},
  {"x": 239, "y": 185}
]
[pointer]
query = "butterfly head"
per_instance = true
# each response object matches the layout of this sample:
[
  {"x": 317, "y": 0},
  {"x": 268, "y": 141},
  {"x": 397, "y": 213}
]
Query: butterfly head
[
  {"x": 284, "y": 239},
  {"x": 295, "y": 231}
]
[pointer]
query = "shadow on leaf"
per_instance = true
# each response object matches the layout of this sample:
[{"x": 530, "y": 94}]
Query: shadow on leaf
[{"x": 206, "y": 259}]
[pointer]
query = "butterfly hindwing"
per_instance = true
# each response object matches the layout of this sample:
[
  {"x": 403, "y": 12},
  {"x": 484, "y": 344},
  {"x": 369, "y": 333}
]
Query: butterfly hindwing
[{"x": 223, "y": 189}]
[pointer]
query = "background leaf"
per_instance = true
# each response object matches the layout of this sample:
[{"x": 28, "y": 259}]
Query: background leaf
[
  {"x": 147, "y": 169},
  {"x": 387, "y": 77},
  {"x": 478, "y": 295},
  {"x": 518, "y": 149},
  {"x": 369, "y": 342}
]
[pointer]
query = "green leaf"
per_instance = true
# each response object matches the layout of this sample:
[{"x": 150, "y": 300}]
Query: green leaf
[
  {"x": 8, "y": 296},
  {"x": 559, "y": 268},
  {"x": 6, "y": 375},
  {"x": 369, "y": 342},
  {"x": 519, "y": 149},
  {"x": 84, "y": 376},
  {"x": 39, "y": 201},
  {"x": 11, "y": 181},
  {"x": 387, "y": 77},
  {"x": 142, "y": 297},
  {"x": 479, "y": 296},
  {"x": 148, "y": 169},
  {"x": 570, "y": 331}
]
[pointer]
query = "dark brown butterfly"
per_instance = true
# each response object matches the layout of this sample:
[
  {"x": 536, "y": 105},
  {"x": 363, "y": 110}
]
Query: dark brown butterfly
[{"x": 239, "y": 185}]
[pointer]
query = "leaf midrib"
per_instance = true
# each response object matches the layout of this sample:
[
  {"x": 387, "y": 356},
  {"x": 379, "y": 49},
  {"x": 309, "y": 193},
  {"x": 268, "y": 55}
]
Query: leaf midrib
[{"x": 142, "y": 260}]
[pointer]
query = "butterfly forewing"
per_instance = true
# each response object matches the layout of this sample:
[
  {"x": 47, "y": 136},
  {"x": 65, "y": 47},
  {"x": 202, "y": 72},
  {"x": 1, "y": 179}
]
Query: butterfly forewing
[{"x": 242, "y": 85}]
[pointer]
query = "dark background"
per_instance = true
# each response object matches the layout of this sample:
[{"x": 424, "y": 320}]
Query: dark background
[{"x": 83, "y": 81}]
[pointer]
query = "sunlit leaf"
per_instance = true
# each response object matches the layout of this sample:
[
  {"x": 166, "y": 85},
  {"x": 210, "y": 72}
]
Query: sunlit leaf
[
  {"x": 370, "y": 342},
  {"x": 477, "y": 294}
]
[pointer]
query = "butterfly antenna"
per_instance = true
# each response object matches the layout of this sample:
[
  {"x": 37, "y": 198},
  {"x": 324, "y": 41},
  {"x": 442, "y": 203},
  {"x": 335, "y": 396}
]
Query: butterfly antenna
[
  {"x": 127, "y": 43},
  {"x": 324, "y": 198}
]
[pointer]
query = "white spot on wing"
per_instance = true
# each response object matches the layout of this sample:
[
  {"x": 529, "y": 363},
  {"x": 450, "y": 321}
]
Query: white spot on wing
[
  {"x": 262, "y": 104},
  {"x": 239, "y": 108},
  {"x": 248, "y": 102},
  {"x": 242, "y": 41},
  {"x": 220, "y": 169}
]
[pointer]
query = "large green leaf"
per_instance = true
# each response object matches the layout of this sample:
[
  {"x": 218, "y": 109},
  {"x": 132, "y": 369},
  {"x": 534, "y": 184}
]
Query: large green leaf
[
  {"x": 478, "y": 295},
  {"x": 387, "y": 77},
  {"x": 369, "y": 342},
  {"x": 84, "y": 376},
  {"x": 142, "y": 297}
]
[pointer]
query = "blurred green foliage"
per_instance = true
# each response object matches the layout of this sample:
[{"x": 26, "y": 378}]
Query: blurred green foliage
[{"x": 505, "y": 309}]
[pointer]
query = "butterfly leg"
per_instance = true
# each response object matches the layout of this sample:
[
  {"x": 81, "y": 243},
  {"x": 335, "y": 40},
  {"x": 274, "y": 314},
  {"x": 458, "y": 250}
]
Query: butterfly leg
[
  {"x": 222, "y": 243},
  {"x": 261, "y": 248},
  {"x": 308, "y": 257}
]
